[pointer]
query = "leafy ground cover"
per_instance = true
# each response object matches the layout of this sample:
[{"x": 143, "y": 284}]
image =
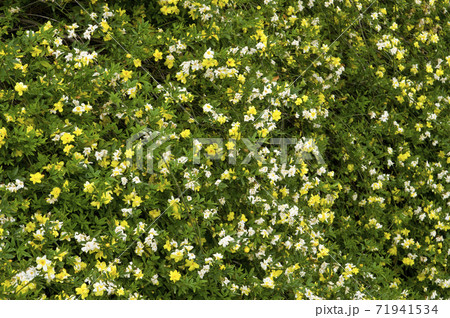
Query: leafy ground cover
[{"x": 220, "y": 149}]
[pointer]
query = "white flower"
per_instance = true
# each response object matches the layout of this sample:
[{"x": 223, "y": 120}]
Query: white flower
[
  {"x": 14, "y": 10},
  {"x": 384, "y": 117},
  {"x": 116, "y": 172},
  {"x": 91, "y": 246},
  {"x": 218, "y": 256},
  {"x": 136, "y": 180},
  {"x": 225, "y": 241},
  {"x": 209, "y": 54},
  {"x": 154, "y": 279},
  {"x": 43, "y": 263},
  {"x": 260, "y": 46},
  {"x": 207, "y": 108},
  {"x": 126, "y": 212},
  {"x": 99, "y": 287},
  {"x": 268, "y": 283}
]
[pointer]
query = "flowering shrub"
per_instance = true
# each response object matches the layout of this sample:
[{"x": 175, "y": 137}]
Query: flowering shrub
[{"x": 299, "y": 149}]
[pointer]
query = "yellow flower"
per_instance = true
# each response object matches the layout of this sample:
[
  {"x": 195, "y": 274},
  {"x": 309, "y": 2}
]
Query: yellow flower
[
  {"x": 105, "y": 26},
  {"x": 66, "y": 138},
  {"x": 210, "y": 150},
  {"x": 77, "y": 131},
  {"x": 393, "y": 250},
  {"x": 181, "y": 77},
  {"x": 315, "y": 199},
  {"x": 209, "y": 63},
  {"x": 185, "y": 133},
  {"x": 3, "y": 134},
  {"x": 36, "y": 178},
  {"x": 56, "y": 192},
  {"x": 83, "y": 291},
  {"x": 137, "y": 62},
  {"x": 251, "y": 110},
  {"x": 169, "y": 61},
  {"x": 168, "y": 246},
  {"x": 175, "y": 276},
  {"x": 230, "y": 145},
  {"x": 231, "y": 62},
  {"x": 192, "y": 265},
  {"x": 221, "y": 119},
  {"x": 276, "y": 115},
  {"x": 126, "y": 75},
  {"x": 408, "y": 261},
  {"x": 88, "y": 187},
  {"x": 58, "y": 106},
  {"x": 174, "y": 203},
  {"x": 129, "y": 153},
  {"x": 263, "y": 132},
  {"x": 157, "y": 55},
  {"x": 403, "y": 157},
  {"x": 36, "y": 51},
  {"x": 48, "y": 26},
  {"x": 136, "y": 201},
  {"x": 139, "y": 275},
  {"x": 394, "y": 26},
  {"x": 323, "y": 252},
  {"x": 120, "y": 292},
  {"x": 62, "y": 275},
  {"x": 20, "y": 88},
  {"x": 154, "y": 213}
]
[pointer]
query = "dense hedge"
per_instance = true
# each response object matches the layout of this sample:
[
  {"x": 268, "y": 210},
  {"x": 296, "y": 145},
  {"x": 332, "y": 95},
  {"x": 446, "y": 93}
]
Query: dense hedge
[{"x": 325, "y": 174}]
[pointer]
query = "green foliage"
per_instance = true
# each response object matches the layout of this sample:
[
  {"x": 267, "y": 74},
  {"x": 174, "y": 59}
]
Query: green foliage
[{"x": 81, "y": 218}]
